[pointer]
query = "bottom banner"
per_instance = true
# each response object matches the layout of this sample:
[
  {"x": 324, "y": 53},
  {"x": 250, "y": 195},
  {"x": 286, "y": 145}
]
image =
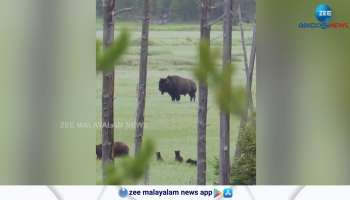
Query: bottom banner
[{"x": 175, "y": 192}]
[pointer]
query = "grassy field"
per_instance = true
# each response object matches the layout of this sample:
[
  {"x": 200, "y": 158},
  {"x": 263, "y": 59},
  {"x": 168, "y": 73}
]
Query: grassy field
[{"x": 173, "y": 50}]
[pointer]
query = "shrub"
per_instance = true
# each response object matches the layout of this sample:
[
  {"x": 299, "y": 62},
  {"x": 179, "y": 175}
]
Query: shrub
[{"x": 243, "y": 170}]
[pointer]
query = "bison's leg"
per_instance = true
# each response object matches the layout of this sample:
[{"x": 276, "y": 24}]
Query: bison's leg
[
  {"x": 193, "y": 97},
  {"x": 99, "y": 151},
  {"x": 173, "y": 97},
  {"x": 178, "y": 98}
]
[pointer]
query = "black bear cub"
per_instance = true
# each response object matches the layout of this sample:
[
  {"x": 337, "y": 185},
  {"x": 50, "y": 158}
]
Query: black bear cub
[
  {"x": 159, "y": 156},
  {"x": 191, "y": 162},
  {"x": 178, "y": 157}
]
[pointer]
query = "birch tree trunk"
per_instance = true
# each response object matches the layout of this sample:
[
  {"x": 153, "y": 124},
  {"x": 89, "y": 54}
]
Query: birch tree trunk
[
  {"x": 107, "y": 92},
  {"x": 141, "y": 99},
  {"x": 203, "y": 101},
  {"x": 224, "y": 166}
]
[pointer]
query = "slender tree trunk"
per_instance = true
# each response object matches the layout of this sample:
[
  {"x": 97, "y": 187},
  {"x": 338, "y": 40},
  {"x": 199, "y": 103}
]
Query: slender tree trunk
[
  {"x": 107, "y": 92},
  {"x": 141, "y": 99},
  {"x": 243, "y": 41},
  {"x": 249, "y": 71},
  {"x": 246, "y": 67},
  {"x": 224, "y": 175},
  {"x": 250, "y": 109},
  {"x": 202, "y": 102}
]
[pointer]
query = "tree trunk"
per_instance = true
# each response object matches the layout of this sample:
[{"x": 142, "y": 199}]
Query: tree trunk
[
  {"x": 251, "y": 69},
  {"x": 246, "y": 70},
  {"x": 224, "y": 175},
  {"x": 202, "y": 102},
  {"x": 142, "y": 82},
  {"x": 107, "y": 92},
  {"x": 249, "y": 80},
  {"x": 243, "y": 40}
]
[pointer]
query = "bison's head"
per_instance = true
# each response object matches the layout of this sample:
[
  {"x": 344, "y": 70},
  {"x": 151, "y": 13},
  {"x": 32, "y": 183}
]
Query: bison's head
[{"x": 163, "y": 85}]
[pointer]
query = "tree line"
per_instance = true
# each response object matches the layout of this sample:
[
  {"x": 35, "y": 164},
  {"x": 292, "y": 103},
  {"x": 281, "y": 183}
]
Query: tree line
[{"x": 164, "y": 11}]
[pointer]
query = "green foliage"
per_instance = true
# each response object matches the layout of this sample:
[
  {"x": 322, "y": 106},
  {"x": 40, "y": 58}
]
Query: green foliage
[
  {"x": 216, "y": 169},
  {"x": 107, "y": 58},
  {"x": 229, "y": 97},
  {"x": 130, "y": 170},
  {"x": 207, "y": 62},
  {"x": 243, "y": 171}
]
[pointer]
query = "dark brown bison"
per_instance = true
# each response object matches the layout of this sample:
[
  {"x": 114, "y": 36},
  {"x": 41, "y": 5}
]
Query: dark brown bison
[
  {"x": 176, "y": 86},
  {"x": 119, "y": 149}
]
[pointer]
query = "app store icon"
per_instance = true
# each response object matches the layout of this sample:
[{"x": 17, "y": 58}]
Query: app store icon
[{"x": 228, "y": 192}]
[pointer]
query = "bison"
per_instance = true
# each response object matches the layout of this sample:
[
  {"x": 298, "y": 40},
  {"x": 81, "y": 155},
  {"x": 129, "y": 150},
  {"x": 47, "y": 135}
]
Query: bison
[
  {"x": 176, "y": 86},
  {"x": 119, "y": 149}
]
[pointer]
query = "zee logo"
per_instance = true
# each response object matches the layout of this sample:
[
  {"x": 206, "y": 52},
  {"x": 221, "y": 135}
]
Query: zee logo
[
  {"x": 323, "y": 13},
  {"x": 123, "y": 192}
]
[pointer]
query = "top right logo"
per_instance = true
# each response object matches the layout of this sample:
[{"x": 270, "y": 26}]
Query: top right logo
[{"x": 323, "y": 13}]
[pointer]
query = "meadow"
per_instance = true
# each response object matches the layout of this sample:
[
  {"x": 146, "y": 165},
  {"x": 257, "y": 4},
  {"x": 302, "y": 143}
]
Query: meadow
[{"x": 172, "y": 126}]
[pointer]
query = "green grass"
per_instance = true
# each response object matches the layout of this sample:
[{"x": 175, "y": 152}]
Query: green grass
[
  {"x": 173, "y": 126},
  {"x": 136, "y": 26}
]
